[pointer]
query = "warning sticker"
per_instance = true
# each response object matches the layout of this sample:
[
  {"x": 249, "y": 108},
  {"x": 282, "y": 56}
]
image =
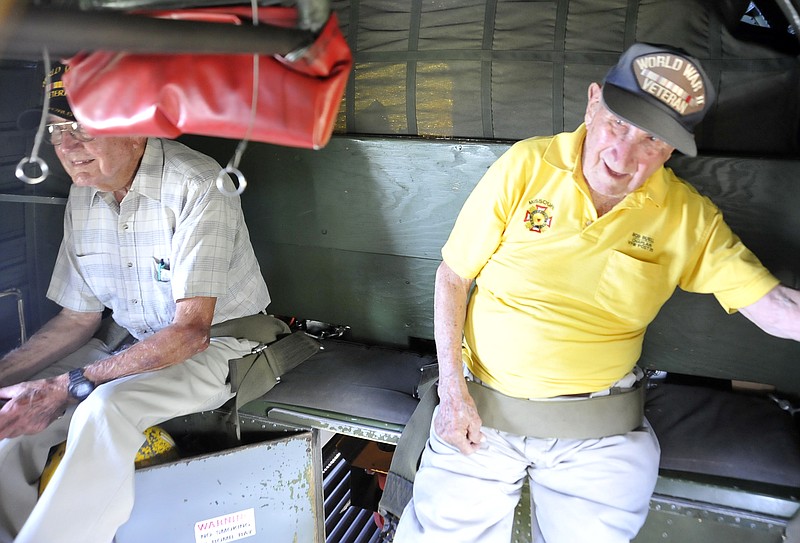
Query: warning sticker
[{"x": 231, "y": 527}]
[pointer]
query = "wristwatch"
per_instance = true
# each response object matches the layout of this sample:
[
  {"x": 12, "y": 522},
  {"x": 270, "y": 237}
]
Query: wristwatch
[{"x": 79, "y": 386}]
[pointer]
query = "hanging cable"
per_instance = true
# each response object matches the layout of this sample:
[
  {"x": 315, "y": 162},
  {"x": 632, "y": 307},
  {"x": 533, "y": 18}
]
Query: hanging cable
[
  {"x": 37, "y": 140},
  {"x": 792, "y": 15},
  {"x": 233, "y": 164}
]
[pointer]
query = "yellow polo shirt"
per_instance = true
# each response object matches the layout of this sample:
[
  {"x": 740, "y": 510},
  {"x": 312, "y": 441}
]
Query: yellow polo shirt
[{"x": 562, "y": 298}]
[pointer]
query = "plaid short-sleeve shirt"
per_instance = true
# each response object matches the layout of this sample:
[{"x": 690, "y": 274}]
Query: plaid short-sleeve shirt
[{"x": 173, "y": 236}]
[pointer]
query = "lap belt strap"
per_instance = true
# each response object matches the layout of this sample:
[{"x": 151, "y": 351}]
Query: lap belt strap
[
  {"x": 585, "y": 418},
  {"x": 260, "y": 327},
  {"x": 255, "y": 374},
  {"x": 562, "y": 418},
  {"x": 792, "y": 532},
  {"x": 400, "y": 480}
]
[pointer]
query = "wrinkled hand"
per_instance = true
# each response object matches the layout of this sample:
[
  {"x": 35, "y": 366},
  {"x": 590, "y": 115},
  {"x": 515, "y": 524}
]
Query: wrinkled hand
[
  {"x": 457, "y": 420},
  {"x": 31, "y": 406}
]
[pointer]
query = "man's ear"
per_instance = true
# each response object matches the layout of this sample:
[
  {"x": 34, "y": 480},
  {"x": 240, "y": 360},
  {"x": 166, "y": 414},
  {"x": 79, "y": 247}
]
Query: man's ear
[{"x": 594, "y": 96}]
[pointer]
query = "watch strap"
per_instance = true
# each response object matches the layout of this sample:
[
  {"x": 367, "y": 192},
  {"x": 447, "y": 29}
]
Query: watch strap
[{"x": 79, "y": 386}]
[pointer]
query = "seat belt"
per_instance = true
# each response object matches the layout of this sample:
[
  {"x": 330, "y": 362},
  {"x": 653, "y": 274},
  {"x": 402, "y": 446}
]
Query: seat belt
[
  {"x": 259, "y": 327},
  {"x": 564, "y": 418},
  {"x": 792, "y": 532},
  {"x": 253, "y": 375},
  {"x": 571, "y": 418},
  {"x": 399, "y": 485}
]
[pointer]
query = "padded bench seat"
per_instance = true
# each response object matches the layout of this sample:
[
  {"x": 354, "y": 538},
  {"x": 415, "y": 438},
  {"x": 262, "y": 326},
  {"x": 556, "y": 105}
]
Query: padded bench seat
[
  {"x": 723, "y": 433},
  {"x": 354, "y": 380},
  {"x": 701, "y": 430}
]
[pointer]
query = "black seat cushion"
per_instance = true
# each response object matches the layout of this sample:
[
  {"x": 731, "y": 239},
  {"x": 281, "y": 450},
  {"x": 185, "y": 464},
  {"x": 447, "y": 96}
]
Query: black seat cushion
[
  {"x": 724, "y": 433},
  {"x": 355, "y": 380},
  {"x": 701, "y": 430}
]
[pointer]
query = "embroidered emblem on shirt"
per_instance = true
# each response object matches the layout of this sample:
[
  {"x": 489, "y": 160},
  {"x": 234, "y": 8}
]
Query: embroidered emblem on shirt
[
  {"x": 539, "y": 217},
  {"x": 641, "y": 241}
]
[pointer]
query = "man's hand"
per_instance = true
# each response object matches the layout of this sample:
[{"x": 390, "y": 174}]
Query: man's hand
[
  {"x": 31, "y": 406},
  {"x": 457, "y": 422}
]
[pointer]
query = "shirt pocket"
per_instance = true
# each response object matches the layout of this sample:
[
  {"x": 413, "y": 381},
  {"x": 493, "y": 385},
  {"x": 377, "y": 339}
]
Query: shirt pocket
[
  {"x": 98, "y": 272},
  {"x": 633, "y": 289}
]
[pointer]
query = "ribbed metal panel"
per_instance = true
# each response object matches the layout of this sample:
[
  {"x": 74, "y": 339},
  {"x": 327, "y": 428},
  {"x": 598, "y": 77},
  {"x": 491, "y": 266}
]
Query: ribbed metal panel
[{"x": 344, "y": 523}]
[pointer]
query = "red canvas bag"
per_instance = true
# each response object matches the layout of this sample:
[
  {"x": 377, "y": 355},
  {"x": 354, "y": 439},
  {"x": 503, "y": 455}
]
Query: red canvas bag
[{"x": 166, "y": 95}]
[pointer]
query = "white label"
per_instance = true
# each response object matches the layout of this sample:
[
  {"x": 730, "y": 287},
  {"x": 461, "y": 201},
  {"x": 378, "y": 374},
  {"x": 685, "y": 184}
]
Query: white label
[{"x": 231, "y": 527}]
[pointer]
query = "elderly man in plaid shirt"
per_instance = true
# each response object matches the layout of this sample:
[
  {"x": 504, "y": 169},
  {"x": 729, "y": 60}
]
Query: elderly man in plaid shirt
[{"x": 148, "y": 236}]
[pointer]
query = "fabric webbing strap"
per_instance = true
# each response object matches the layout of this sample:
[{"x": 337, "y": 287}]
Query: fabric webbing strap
[
  {"x": 580, "y": 418},
  {"x": 114, "y": 336},
  {"x": 255, "y": 374},
  {"x": 260, "y": 327},
  {"x": 792, "y": 532},
  {"x": 400, "y": 479},
  {"x": 562, "y": 418}
]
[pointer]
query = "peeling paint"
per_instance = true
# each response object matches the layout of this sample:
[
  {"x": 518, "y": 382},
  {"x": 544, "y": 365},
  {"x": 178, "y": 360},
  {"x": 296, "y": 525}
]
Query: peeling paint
[{"x": 281, "y": 480}]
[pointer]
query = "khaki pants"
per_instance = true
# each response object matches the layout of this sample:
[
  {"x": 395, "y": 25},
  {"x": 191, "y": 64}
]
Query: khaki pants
[
  {"x": 594, "y": 490},
  {"x": 91, "y": 493}
]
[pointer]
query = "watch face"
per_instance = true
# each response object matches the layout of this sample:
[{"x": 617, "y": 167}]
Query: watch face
[
  {"x": 81, "y": 390},
  {"x": 79, "y": 386}
]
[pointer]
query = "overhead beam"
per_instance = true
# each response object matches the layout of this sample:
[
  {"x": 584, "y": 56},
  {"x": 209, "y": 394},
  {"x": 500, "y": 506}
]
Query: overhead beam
[{"x": 26, "y": 30}]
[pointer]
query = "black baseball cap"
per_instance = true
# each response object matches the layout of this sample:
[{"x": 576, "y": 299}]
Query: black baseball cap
[
  {"x": 661, "y": 90},
  {"x": 58, "y": 105}
]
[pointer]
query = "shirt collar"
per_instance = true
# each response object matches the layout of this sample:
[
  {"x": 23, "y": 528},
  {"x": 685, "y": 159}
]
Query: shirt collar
[
  {"x": 147, "y": 180},
  {"x": 564, "y": 153}
]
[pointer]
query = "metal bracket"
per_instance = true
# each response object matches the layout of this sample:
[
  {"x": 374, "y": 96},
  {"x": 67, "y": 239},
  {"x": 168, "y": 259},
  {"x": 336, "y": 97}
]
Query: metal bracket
[
  {"x": 784, "y": 404},
  {"x": 20, "y": 311}
]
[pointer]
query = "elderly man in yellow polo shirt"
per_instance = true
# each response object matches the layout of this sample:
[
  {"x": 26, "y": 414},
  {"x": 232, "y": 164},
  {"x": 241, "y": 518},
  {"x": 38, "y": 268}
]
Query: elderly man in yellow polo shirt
[{"x": 573, "y": 244}]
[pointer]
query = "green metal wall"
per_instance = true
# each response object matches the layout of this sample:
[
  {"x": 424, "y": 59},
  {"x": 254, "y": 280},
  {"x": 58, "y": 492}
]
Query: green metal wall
[
  {"x": 351, "y": 234},
  {"x": 30, "y": 216}
]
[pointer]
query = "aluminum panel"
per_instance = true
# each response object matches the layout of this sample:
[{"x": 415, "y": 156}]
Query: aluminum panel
[{"x": 268, "y": 491}]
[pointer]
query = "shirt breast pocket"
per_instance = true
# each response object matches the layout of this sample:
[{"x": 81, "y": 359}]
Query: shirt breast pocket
[
  {"x": 633, "y": 289},
  {"x": 98, "y": 271}
]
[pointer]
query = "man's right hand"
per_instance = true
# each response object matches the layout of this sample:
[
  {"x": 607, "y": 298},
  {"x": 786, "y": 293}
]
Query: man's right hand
[
  {"x": 31, "y": 406},
  {"x": 457, "y": 421}
]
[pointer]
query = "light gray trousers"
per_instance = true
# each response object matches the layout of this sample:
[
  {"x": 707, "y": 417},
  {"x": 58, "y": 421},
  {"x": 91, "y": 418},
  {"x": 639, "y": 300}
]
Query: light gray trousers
[
  {"x": 583, "y": 490},
  {"x": 91, "y": 493}
]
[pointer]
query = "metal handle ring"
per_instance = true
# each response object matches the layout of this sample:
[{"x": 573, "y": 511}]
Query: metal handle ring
[
  {"x": 239, "y": 178},
  {"x": 22, "y": 176}
]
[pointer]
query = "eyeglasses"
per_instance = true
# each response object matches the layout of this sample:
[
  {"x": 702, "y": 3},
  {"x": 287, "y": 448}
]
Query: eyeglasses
[{"x": 55, "y": 132}]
